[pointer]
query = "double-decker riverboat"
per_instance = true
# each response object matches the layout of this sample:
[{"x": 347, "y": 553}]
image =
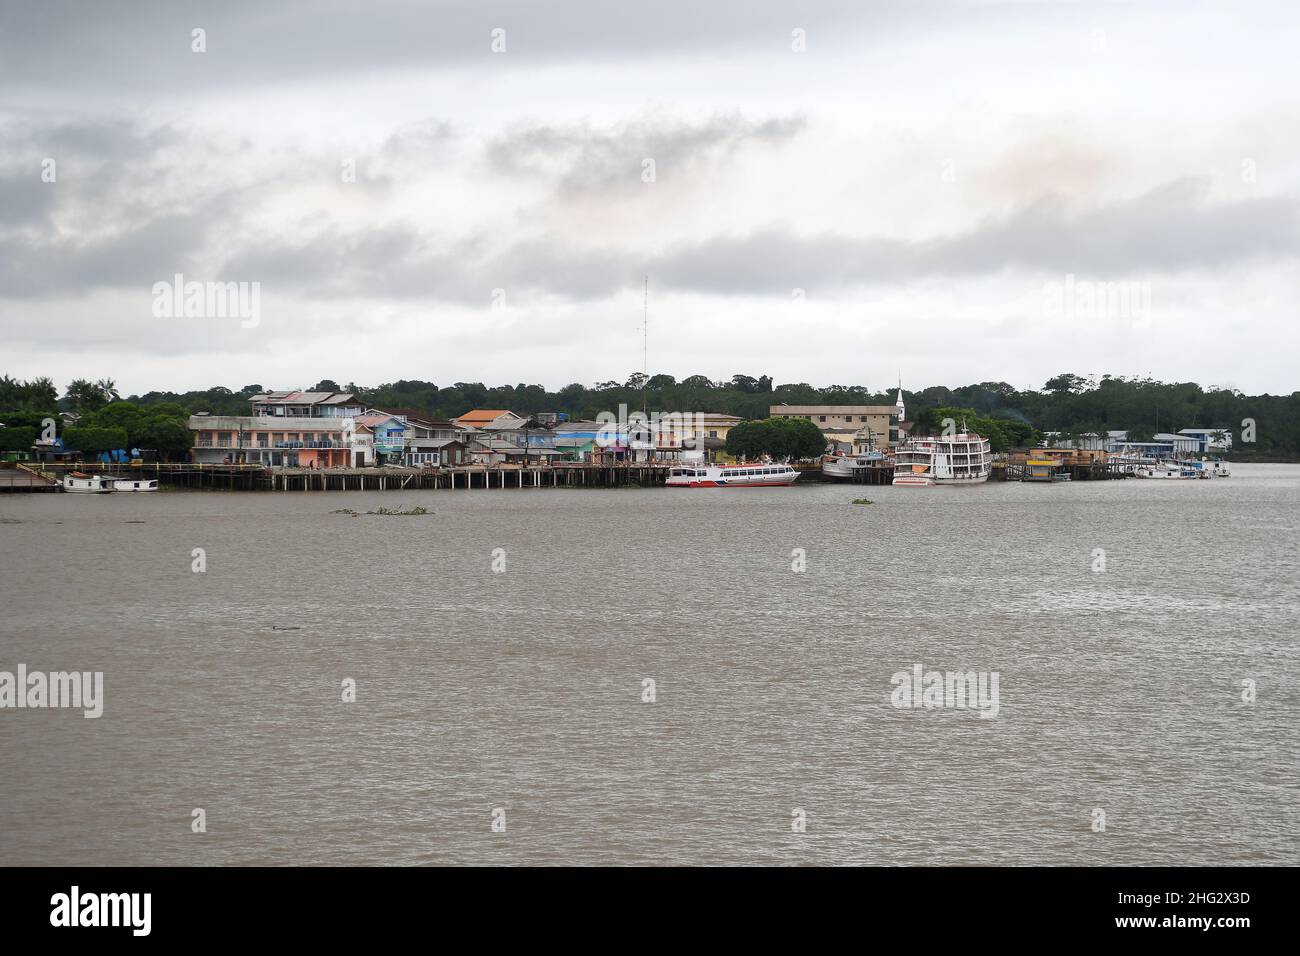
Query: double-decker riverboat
[
  {"x": 753, "y": 475},
  {"x": 961, "y": 459}
]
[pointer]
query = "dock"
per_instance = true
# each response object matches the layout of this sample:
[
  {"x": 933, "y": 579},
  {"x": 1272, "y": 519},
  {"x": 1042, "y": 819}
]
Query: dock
[
  {"x": 1078, "y": 468},
  {"x": 20, "y": 477},
  {"x": 461, "y": 477}
]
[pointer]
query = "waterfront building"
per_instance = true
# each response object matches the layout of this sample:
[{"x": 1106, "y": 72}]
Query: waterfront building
[
  {"x": 839, "y": 422},
  {"x": 286, "y": 441},
  {"x": 362, "y": 445},
  {"x": 527, "y": 433},
  {"x": 1182, "y": 444},
  {"x": 435, "y": 442},
  {"x": 576, "y": 441},
  {"x": 688, "y": 429},
  {"x": 1211, "y": 439},
  {"x": 488, "y": 450},
  {"x": 387, "y": 439},
  {"x": 435, "y": 452}
]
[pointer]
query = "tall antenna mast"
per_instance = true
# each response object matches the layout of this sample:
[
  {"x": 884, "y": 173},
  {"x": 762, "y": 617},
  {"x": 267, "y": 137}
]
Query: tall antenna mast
[{"x": 645, "y": 343}]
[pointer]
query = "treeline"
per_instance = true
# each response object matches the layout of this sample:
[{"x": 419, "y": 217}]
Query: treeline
[
  {"x": 742, "y": 395},
  {"x": 32, "y": 411},
  {"x": 1067, "y": 403}
]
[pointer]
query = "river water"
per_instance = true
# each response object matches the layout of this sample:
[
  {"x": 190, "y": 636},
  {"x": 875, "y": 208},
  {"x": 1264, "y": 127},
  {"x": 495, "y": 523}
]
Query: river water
[{"x": 1120, "y": 675}]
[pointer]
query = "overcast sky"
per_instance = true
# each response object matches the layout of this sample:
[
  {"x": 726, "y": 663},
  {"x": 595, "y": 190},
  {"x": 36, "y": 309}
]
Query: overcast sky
[{"x": 841, "y": 192}]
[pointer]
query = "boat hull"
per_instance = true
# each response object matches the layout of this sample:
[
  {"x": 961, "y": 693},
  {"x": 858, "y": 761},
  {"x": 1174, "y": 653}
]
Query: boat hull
[
  {"x": 732, "y": 476},
  {"x": 84, "y": 485},
  {"x": 846, "y": 467},
  {"x": 134, "y": 487}
]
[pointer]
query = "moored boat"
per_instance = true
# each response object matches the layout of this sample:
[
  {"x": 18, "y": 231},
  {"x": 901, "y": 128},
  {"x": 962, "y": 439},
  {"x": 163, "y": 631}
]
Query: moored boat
[
  {"x": 81, "y": 483},
  {"x": 846, "y": 466},
  {"x": 753, "y": 475},
  {"x": 1165, "y": 468},
  {"x": 135, "y": 484},
  {"x": 962, "y": 459}
]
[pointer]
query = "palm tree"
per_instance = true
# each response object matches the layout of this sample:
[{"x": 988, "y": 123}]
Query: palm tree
[
  {"x": 82, "y": 395},
  {"x": 107, "y": 390}
]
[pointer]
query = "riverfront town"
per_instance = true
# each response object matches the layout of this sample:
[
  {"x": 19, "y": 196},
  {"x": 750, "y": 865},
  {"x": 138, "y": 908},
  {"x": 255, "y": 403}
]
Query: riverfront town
[{"x": 331, "y": 438}]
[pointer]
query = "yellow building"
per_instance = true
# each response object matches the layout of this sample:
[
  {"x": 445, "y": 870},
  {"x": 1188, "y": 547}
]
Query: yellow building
[{"x": 840, "y": 423}]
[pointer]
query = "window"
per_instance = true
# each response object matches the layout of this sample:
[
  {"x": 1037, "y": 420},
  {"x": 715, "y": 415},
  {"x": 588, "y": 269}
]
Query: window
[{"x": 823, "y": 418}]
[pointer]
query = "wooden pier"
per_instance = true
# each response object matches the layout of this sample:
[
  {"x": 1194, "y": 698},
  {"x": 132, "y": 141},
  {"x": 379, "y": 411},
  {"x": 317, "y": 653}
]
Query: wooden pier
[
  {"x": 1016, "y": 468},
  {"x": 17, "y": 477},
  {"x": 464, "y": 477}
]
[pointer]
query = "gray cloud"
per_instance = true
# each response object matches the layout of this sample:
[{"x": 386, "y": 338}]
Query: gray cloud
[
  {"x": 1169, "y": 229},
  {"x": 580, "y": 159}
]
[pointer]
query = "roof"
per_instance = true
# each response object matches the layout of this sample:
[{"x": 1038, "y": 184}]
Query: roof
[
  {"x": 481, "y": 416},
  {"x": 301, "y": 398},
  {"x": 373, "y": 420},
  {"x": 832, "y": 409},
  {"x": 528, "y": 424},
  {"x": 577, "y": 426},
  {"x": 433, "y": 442}
]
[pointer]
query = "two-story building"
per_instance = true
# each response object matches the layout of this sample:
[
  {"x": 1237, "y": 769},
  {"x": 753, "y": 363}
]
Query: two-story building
[
  {"x": 434, "y": 442},
  {"x": 287, "y": 442},
  {"x": 840, "y": 423}
]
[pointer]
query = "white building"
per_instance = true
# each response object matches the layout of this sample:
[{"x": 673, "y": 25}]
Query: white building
[{"x": 1212, "y": 439}]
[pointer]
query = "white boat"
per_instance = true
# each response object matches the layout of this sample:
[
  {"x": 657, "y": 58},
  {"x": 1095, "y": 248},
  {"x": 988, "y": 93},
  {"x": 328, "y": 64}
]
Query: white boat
[
  {"x": 961, "y": 459},
  {"x": 87, "y": 484},
  {"x": 1165, "y": 469},
  {"x": 845, "y": 463},
  {"x": 1216, "y": 468},
  {"x": 135, "y": 484},
  {"x": 846, "y": 466},
  {"x": 753, "y": 475}
]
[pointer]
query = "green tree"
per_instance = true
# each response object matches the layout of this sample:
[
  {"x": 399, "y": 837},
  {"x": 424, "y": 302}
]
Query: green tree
[{"x": 792, "y": 438}]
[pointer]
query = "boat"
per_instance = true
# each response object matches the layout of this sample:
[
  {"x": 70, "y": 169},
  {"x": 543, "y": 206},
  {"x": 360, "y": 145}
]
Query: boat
[
  {"x": 846, "y": 466},
  {"x": 752, "y": 475},
  {"x": 962, "y": 459},
  {"x": 839, "y": 464},
  {"x": 81, "y": 483},
  {"x": 135, "y": 484},
  {"x": 1165, "y": 468}
]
